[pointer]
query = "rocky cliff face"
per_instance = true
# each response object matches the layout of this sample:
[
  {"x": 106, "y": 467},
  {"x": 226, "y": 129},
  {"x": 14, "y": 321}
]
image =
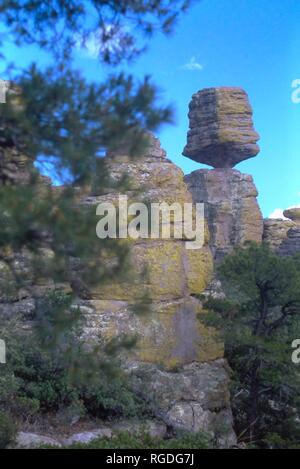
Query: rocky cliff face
[
  {"x": 170, "y": 333},
  {"x": 170, "y": 336},
  {"x": 178, "y": 361}
]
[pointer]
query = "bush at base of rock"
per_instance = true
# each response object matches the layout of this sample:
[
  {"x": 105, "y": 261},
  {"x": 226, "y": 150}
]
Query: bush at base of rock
[{"x": 40, "y": 384}]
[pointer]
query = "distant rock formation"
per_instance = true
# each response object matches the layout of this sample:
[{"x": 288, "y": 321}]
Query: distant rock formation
[
  {"x": 284, "y": 235},
  {"x": 276, "y": 231},
  {"x": 293, "y": 214},
  {"x": 221, "y": 129}
]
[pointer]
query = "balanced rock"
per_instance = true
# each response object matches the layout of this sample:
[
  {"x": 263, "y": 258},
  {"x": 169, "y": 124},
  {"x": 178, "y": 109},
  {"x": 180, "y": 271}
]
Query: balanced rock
[{"x": 221, "y": 129}]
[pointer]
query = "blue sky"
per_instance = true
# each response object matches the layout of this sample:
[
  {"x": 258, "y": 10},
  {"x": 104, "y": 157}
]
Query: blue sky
[{"x": 254, "y": 44}]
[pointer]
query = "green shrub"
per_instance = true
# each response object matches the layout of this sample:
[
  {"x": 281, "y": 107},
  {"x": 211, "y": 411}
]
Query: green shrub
[
  {"x": 8, "y": 430},
  {"x": 50, "y": 369}
]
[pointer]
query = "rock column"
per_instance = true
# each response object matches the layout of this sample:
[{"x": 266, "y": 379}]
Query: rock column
[{"x": 221, "y": 134}]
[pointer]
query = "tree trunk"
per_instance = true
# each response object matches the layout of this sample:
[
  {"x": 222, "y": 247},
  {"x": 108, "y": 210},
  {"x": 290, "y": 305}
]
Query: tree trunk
[{"x": 253, "y": 398}]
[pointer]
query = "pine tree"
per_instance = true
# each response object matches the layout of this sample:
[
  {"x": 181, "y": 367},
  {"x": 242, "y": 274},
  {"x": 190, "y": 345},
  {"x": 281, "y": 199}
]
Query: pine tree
[
  {"x": 258, "y": 320},
  {"x": 53, "y": 118}
]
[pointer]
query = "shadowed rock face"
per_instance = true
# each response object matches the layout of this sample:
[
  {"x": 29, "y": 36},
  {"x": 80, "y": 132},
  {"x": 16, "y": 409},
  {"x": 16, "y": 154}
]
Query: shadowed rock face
[
  {"x": 221, "y": 129},
  {"x": 230, "y": 206}
]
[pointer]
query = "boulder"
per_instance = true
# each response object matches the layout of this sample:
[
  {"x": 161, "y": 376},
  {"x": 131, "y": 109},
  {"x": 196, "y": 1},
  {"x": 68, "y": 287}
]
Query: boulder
[
  {"x": 291, "y": 245},
  {"x": 221, "y": 129},
  {"x": 154, "y": 428}
]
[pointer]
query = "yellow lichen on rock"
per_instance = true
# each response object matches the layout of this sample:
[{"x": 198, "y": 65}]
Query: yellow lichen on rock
[
  {"x": 165, "y": 270},
  {"x": 199, "y": 269}
]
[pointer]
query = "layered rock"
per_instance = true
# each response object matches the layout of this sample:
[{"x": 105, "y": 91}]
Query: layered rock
[
  {"x": 230, "y": 205},
  {"x": 221, "y": 129}
]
